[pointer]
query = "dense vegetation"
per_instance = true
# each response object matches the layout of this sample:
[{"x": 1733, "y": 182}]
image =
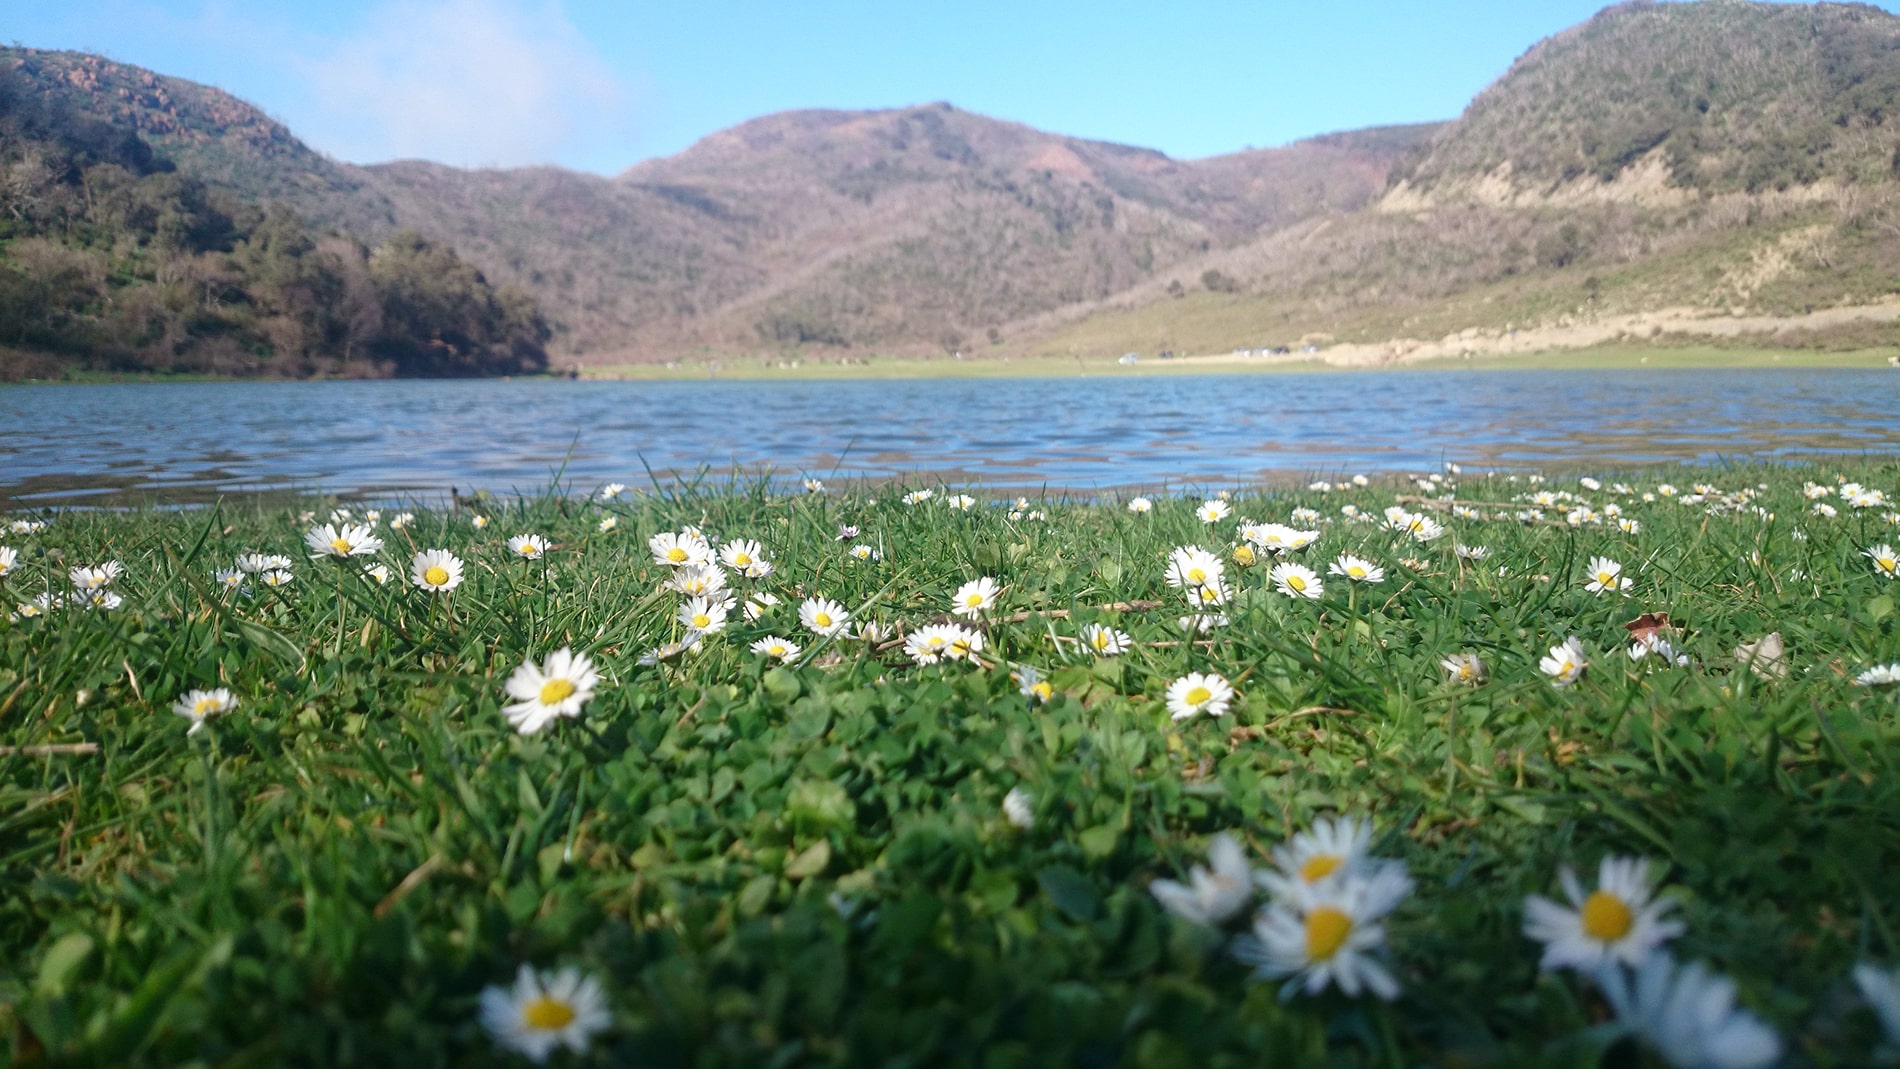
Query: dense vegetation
[
  {"x": 839, "y": 855},
  {"x": 114, "y": 260}
]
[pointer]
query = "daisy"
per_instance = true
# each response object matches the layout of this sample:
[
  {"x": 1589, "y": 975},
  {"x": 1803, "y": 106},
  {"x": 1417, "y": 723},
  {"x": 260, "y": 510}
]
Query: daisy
[
  {"x": 1201, "y": 623},
  {"x": 1606, "y": 575},
  {"x": 1213, "y": 511},
  {"x": 543, "y": 693},
  {"x": 814, "y": 486},
  {"x": 607, "y": 523},
  {"x": 1356, "y": 569},
  {"x": 95, "y": 577},
  {"x": 436, "y": 570},
  {"x": 260, "y": 562},
  {"x": 528, "y": 546},
  {"x": 1140, "y": 505},
  {"x": 22, "y": 527},
  {"x": 779, "y": 649},
  {"x": 1019, "y": 808},
  {"x": 759, "y": 603},
  {"x": 1215, "y": 893},
  {"x": 1199, "y": 692},
  {"x": 1881, "y": 675},
  {"x": 612, "y": 490},
  {"x": 1629, "y": 526},
  {"x": 1243, "y": 555},
  {"x": 1192, "y": 566},
  {"x": 478, "y": 522},
  {"x": 1105, "y": 641},
  {"x": 1333, "y": 847},
  {"x": 704, "y": 615},
  {"x": 230, "y": 578},
  {"x": 276, "y": 577},
  {"x": 1424, "y": 528},
  {"x": 1886, "y": 562},
  {"x": 349, "y": 540},
  {"x": 402, "y": 521},
  {"x": 1565, "y": 664},
  {"x": 667, "y": 651},
  {"x": 1304, "y": 515},
  {"x": 1030, "y": 684},
  {"x": 104, "y": 600},
  {"x": 378, "y": 572},
  {"x": 964, "y": 645},
  {"x": 1618, "y": 923},
  {"x": 960, "y": 502},
  {"x": 863, "y": 552},
  {"x": 1644, "y": 645},
  {"x": 1208, "y": 595},
  {"x": 676, "y": 550},
  {"x": 196, "y": 705},
  {"x": 696, "y": 579},
  {"x": 1688, "y": 1015},
  {"x": 974, "y": 597},
  {"x": 1329, "y": 934},
  {"x": 918, "y": 497},
  {"x": 1471, "y": 552},
  {"x": 545, "y": 1010},
  {"x": 1466, "y": 668},
  {"x": 1296, "y": 580},
  {"x": 927, "y": 645},
  {"x": 822, "y": 616},
  {"x": 7, "y": 556},
  {"x": 874, "y": 632},
  {"x": 1360, "y": 480},
  {"x": 745, "y": 556}
]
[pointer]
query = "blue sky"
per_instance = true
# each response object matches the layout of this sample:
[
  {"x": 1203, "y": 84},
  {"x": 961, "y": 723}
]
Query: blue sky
[{"x": 599, "y": 85}]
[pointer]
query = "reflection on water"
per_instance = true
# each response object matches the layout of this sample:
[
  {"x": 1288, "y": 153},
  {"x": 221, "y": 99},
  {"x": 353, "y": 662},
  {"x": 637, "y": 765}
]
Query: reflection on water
[{"x": 192, "y": 442}]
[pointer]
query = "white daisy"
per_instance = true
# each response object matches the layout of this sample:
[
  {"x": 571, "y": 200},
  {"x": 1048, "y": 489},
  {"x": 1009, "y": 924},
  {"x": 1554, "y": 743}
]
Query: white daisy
[
  {"x": 668, "y": 651},
  {"x": 230, "y": 578},
  {"x": 695, "y": 580},
  {"x": 95, "y": 577},
  {"x": 263, "y": 562},
  {"x": 965, "y": 643},
  {"x": 350, "y": 540},
  {"x": 7, "y": 556},
  {"x": 544, "y": 693},
  {"x": 960, "y": 502},
  {"x": 612, "y": 490},
  {"x": 1471, "y": 552},
  {"x": 1621, "y": 922},
  {"x": 402, "y": 521},
  {"x": 679, "y": 549},
  {"x": 1192, "y": 566},
  {"x": 544, "y": 1011},
  {"x": 1880, "y": 675},
  {"x": 1214, "y": 893},
  {"x": 104, "y": 600},
  {"x": 1886, "y": 562},
  {"x": 436, "y": 570},
  {"x": 918, "y": 497},
  {"x": 196, "y": 705},
  {"x": 863, "y": 552},
  {"x": 928, "y": 644},
  {"x": 1606, "y": 575},
  {"x": 1140, "y": 505},
  {"x": 1213, "y": 511},
  {"x": 1565, "y": 664},
  {"x": 759, "y": 603},
  {"x": 745, "y": 556},
  {"x": 974, "y": 597},
  {"x": 1030, "y": 684},
  {"x": 276, "y": 577},
  {"x": 528, "y": 546},
  {"x": 704, "y": 615},
  {"x": 1296, "y": 580},
  {"x": 822, "y": 616},
  {"x": 1688, "y": 1015},
  {"x": 478, "y": 522},
  {"x": 1356, "y": 569},
  {"x": 607, "y": 523},
  {"x": 779, "y": 649},
  {"x": 1465, "y": 668},
  {"x": 1881, "y": 988},
  {"x": 378, "y": 572},
  {"x": 1199, "y": 692},
  {"x": 1329, "y": 934},
  {"x": 1105, "y": 641},
  {"x": 814, "y": 486},
  {"x": 1332, "y": 847}
]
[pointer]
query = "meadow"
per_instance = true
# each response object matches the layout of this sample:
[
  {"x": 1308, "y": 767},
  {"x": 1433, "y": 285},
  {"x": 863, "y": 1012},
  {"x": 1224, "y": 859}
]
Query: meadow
[{"x": 752, "y": 776}]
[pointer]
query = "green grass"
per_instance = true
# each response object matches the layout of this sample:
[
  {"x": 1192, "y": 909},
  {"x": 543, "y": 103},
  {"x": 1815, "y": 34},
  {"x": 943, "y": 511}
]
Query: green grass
[{"x": 810, "y": 864}]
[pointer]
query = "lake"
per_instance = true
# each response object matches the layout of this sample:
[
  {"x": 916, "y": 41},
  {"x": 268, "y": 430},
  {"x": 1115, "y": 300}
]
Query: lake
[{"x": 389, "y": 441}]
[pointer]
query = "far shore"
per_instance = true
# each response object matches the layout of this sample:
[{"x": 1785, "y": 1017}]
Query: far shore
[{"x": 1323, "y": 361}]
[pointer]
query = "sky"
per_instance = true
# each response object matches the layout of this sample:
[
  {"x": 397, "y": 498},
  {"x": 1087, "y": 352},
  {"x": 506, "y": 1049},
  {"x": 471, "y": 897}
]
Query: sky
[{"x": 598, "y": 85}]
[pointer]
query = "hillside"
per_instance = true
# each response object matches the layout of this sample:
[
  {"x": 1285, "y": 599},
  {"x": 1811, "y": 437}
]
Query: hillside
[{"x": 1714, "y": 159}]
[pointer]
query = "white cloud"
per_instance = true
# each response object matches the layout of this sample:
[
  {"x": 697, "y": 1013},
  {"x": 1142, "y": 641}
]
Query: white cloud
[{"x": 467, "y": 82}]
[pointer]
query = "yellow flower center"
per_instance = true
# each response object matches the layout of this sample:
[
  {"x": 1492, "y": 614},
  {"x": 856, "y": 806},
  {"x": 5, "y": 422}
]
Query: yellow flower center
[
  {"x": 1243, "y": 554},
  {"x": 1606, "y": 578},
  {"x": 1319, "y": 866},
  {"x": 1296, "y": 583},
  {"x": 974, "y": 601},
  {"x": 546, "y": 1014},
  {"x": 1887, "y": 564},
  {"x": 1605, "y": 917},
  {"x": 1043, "y": 691},
  {"x": 528, "y": 549},
  {"x": 1356, "y": 572},
  {"x": 1326, "y": 931},
  {"x": 776, "y": 651},
  {"x": 556, "y": 691},
  {"x": 822, "y": 619},
  {"x": 677, "y": 555},
  {"x": 205, "y": 707},
  {"x": 1197, "y": 576},
  {"x": 701, "y": 620},
  {"x": 1101, "y": 640},
  {"x": 342, "y": 546},
  {"x": 1197, "y": 696},
  {"x": 436, "y": 575}
]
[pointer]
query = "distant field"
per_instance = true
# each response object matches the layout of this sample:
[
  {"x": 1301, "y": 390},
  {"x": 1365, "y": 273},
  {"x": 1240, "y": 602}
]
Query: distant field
[{"x": 1055, "y": 367}]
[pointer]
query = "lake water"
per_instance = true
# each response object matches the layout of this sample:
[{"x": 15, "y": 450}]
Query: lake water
[{"x": 191, "y": 442}]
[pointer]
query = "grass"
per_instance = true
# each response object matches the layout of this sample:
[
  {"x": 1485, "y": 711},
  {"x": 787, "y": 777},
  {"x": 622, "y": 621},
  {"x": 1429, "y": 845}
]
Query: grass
[{"x": 809, "y": 864}]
